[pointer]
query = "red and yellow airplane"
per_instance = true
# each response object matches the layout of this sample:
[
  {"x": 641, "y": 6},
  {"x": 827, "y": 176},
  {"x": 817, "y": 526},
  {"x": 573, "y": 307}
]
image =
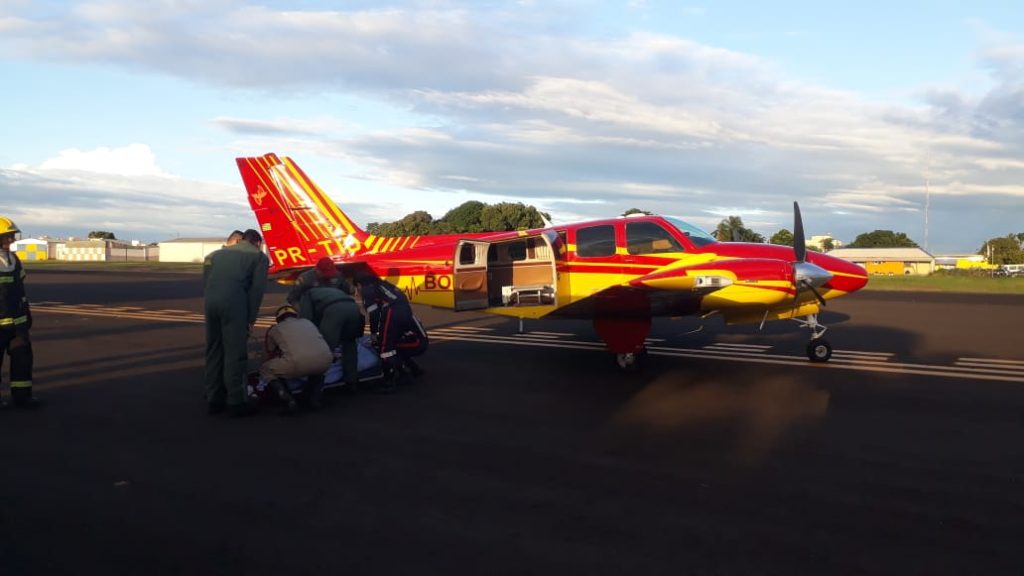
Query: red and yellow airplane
[{"x": 619, "y": 272}]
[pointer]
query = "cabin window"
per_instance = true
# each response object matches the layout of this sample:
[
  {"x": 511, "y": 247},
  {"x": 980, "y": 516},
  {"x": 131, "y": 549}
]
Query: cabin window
[
  {"x": 595, "y": 241},
  {"x": 467, "y": 254},
  {"x": 649, "y": 238},
  {"x": 517, "y": 251},
  {"x": 560, "y": 245}
]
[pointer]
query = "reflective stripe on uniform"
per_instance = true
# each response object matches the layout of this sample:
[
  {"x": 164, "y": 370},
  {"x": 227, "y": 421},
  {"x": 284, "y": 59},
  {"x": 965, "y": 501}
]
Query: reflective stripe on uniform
[
  {"x": 388, "y": 354},
  {"x": 21, "y": 383},
  {"x": 371, "y": 308},
  {"x": 6, "y": 279},
  {"x": 13, "y": 321}
]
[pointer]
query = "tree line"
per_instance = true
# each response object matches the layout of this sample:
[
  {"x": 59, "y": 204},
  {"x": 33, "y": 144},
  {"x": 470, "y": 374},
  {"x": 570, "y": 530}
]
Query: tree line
[
  {"x": 471, "y": 216},
  {"x": 1007, "y": 249},
  {"x": 474, "y": 216}
]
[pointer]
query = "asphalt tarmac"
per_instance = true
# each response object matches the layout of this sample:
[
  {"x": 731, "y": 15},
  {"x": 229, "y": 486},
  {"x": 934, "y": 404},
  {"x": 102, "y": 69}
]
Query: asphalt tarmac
[{"x": 525, "y": 453}]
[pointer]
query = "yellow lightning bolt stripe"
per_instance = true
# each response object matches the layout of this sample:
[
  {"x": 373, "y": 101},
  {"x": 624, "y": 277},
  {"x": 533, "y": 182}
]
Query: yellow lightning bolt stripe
[
  {"x": 404, "y": 242},
  {"x": 292, "y": 198},
  {"x": 328, "y": 207},
  {"x": 370, "y": 241},
  {"x": 848, "y": 275},
  {"x": 261, "y": 169},
  {"x": 316, "y": 195}
]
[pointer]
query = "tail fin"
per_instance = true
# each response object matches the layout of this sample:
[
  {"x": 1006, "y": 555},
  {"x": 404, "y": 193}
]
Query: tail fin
[{"x": 300, "y": 224}]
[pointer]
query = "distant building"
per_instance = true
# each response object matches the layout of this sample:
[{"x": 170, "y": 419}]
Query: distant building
[
  {"x": 889, "y": 261},
  {"x": 94, "y": 250},
  {"x": 818, "y": 242},
  {"x": 31, "y": 249},
  {"x": 188, "y": 249},
  {"x": 964, "y": 262}
]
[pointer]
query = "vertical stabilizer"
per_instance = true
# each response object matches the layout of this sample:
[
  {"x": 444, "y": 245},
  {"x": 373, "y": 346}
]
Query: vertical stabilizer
[{"x": 300, "y": 224}]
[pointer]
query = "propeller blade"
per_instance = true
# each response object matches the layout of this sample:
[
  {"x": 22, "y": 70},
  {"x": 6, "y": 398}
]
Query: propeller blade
[
  {"x": 817, "y": 294},
  {"x": 799, "y": 244}
]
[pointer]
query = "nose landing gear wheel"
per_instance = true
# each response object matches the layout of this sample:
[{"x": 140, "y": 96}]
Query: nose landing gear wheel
[{"x": 819, "y": 350}]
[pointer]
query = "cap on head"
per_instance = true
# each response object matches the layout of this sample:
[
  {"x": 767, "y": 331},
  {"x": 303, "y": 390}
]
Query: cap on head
[
  {"x": 326, "y": 268},
  {"x": 285, "y": 311}
]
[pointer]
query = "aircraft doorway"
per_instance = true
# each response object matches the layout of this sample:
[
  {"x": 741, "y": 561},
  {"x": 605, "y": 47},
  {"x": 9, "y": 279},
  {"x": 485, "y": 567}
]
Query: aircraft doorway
[{"x": 517, "y": 272}]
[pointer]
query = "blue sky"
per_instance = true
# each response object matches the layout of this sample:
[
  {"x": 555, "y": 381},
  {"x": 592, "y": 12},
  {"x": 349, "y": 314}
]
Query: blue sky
[{"x": 127, "y": 116}]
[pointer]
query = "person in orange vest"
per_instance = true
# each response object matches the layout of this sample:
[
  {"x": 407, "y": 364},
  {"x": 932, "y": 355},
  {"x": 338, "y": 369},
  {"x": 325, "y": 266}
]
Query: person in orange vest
[{"x": 15, "y": 319}]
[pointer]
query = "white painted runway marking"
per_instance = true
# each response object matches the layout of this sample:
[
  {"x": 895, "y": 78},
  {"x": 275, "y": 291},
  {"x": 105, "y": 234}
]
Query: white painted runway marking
[
  {"x": 739, "y": 347},
  {"x": 993, "y": 369},
  {"x": 990, "y": 361}
]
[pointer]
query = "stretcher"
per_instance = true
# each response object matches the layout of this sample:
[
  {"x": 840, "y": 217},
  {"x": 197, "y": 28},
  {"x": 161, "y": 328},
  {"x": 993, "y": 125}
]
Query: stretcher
[{"x": 368, "y": 363}]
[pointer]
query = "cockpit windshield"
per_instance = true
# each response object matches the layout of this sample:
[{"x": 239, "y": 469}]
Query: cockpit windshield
[{"x": 696, "y": 235}]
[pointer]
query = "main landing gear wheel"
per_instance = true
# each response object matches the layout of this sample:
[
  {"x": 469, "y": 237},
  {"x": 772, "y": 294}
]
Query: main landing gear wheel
[
  {"x": 819, "y": 350},
  {"x": 631, "y": 361}
]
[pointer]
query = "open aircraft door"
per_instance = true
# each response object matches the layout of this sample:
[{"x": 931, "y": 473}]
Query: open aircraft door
[{"x": 470, "y": 277}]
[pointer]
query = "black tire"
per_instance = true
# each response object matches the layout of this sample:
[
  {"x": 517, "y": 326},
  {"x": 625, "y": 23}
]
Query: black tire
[
  {"x": 819, "y": 350},
  {"x": 629, "y": 362}
]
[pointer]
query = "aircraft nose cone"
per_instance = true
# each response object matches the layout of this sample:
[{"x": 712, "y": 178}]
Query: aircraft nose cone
[{"x": 812, "y": 274}]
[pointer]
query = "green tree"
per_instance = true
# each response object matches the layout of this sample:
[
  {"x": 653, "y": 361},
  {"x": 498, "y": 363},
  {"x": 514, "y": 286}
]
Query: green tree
[
  {"x": 637, "y": 211},
  {"x": 419, "y": 223},
  {"x": 828, "y": 244},
  {"x": 882, "y": 239},
  {"x": 782, "y": 238},
  {"x": 463, "y": 218},
  {"x": 1003, "y": 250},
  {"x": 506, "y": 216},
  {"x": 468, "y": 217},
  {"x": 102, "y": 235},
  {"x": 731, "y": 229}
]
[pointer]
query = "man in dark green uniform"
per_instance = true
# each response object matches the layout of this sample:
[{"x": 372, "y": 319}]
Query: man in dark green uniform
[
  {"x": 325, "y": 273},
  {"x": 15, "y": 319},
  {"x": 234, "y": 279},
  {"x": 337, "y": 315}
]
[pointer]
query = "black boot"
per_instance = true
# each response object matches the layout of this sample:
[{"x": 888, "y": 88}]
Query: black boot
[
  {"x": 389, "y": 383},
  {"x": 243, "y": 410},
  {"x": 280, "y": 387},
  {"x": 315, "y": 390},
  {"x": 22, "y": 399},
  {"x": 413, "y": 368}
]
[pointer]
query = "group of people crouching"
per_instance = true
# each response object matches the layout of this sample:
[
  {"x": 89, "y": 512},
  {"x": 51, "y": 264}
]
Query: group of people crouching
[{"x": 322, "y": 319}]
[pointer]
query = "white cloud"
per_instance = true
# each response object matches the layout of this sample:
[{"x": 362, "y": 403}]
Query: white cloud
[{"x": 131, "y": 160}]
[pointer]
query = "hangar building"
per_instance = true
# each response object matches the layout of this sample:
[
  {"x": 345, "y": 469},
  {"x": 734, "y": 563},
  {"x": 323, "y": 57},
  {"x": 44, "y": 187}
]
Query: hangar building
[
  {"x": 889, "y": 261},
  {"x": 188, "y": 249},
  {"x": 31, "y": 249}
]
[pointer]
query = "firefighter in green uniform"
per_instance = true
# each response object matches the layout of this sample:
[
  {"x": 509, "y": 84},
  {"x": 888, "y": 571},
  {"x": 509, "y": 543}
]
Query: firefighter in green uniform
[
  {"x": 234, "y": 279},
  {"x": 337, "y": 315},
  {"x": 15, "y": 319}
]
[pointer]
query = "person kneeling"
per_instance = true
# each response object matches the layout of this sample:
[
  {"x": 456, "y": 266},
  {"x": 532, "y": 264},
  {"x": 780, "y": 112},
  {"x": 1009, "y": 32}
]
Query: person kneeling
[{"x": 298, "y": 350}]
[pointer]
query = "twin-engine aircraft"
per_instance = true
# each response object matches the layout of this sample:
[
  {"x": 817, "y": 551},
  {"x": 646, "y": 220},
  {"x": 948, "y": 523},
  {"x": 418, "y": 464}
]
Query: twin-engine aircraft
[{"x": 618, "y": 272}]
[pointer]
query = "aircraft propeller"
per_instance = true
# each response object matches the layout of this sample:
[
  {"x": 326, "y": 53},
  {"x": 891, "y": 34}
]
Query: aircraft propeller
[{"x": 805, "y": 274}]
